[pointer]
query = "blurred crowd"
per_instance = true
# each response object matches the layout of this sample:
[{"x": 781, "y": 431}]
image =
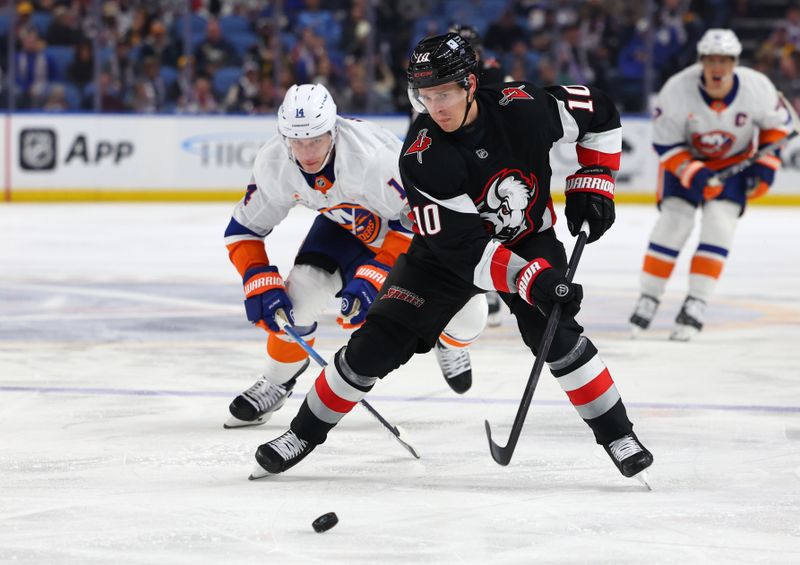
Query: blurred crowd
[{"x": 240, "y": 56}]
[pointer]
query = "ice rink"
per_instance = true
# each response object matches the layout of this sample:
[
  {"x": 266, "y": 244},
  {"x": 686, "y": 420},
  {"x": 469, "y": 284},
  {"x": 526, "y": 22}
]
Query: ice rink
[{"x": 123, "y": 339}]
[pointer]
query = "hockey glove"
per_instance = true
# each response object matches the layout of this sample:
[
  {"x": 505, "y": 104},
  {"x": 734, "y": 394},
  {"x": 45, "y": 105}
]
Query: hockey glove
[
  {"x": 699, "y": 181},
  {"x": 758, "y": 178},
  {"x": 360, "y": 293},
  {"x": 590, "y": 197},
  {"x": 541, "y": 285},
  {"x": 265, "y": 294}
]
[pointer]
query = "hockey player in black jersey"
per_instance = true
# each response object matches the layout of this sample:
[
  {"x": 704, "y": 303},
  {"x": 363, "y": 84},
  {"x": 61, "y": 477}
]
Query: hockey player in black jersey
[{"x": 476, "y": 169}]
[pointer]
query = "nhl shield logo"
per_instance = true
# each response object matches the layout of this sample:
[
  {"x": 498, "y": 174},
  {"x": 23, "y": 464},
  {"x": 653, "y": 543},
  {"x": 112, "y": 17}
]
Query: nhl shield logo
[
  {"x": 37, "y": 149},
  {"x": 481, "y": 153}
]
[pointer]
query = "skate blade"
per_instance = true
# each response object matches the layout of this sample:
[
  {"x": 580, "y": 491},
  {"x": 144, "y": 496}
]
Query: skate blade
[
  {"x": 636, "y": 331},
  {"x": 495, "y": 320},
  {"x": 644, "y": 479},
  {"x": 259, "y": 473},
  {"x": 234, "y": 422},
  {"x": 683, "y": 333}
]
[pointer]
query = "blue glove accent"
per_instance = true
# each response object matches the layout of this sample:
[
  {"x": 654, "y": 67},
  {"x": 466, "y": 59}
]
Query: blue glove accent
[
  {"x": 263, "y": 306},
  {"x": 364, "y": 291},
  {"x": 699, "y": 183},
  {"x": 758, "y": 172}
]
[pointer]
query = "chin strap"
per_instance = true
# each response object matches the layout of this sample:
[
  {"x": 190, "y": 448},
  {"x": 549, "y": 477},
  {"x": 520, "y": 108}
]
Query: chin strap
[{"x": 469, "y": 105}]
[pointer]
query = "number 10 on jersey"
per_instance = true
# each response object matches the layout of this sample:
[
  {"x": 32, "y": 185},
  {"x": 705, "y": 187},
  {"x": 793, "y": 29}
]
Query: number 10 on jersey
[{"x": 427, "y": 219}]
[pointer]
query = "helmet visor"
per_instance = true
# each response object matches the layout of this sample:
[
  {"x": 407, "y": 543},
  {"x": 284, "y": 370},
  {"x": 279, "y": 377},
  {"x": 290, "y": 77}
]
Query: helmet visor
[{"x": 444, "y": 97}]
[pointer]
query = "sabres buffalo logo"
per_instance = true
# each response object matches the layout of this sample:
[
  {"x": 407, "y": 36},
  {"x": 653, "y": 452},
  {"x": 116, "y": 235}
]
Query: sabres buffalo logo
[
  {"x": 713, "y": 144},
  {"x": 514, "y": 93},
  {"x": 506, "y": 203},
  {"x": 420, "y": 145}
]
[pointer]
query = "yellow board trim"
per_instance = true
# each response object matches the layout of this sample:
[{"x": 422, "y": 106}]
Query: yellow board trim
[{"x": 223, "y": 195}]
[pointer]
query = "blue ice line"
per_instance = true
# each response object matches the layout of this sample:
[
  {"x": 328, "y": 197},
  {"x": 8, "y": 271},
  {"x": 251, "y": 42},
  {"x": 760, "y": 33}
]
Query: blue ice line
[{"x": 431, "y": 399}]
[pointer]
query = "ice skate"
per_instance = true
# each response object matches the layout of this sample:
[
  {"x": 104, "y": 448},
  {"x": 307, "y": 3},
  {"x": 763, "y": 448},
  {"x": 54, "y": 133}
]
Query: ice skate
[
  {"x": 281, "y": 453},
  {"x": 456, "y": 366},
  {"x": 630, "y": 457},
  {"x": 689, "y": 321},
  {"x": 644, "y": 313},
  {"x": 495, "y": 309},
  {"x": 256, "y": 405}
]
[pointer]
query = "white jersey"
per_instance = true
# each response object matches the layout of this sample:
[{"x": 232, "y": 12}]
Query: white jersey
[
  {"x": 364, "y": 195},
  {"x": 720, "y": 131}
]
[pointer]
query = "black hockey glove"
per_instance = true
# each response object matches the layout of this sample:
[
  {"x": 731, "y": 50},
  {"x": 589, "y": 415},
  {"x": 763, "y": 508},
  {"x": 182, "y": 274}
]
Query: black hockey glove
[
  {"x": 540, "y": 285},
  {"x": 590, "y": 197}
]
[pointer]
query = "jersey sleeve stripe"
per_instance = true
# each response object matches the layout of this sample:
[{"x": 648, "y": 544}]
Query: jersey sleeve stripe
[
  {"x": 497, "y": 268},
  {"x": 461, "y": 203},
  {"x": 666, "y": 151},
  {"x": 588, "y": 157},
  {"x": 604, "y": 141},
  {"x": 235, "y": 228},
  {"x": 568, "y": 124}
]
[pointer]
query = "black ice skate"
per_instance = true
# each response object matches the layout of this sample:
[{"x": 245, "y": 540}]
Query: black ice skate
[
  {"x": 256, "y": 405},
  {"x": 689, "y": 321},
  {"x": 644, "y": 313},
  {"x": 281, "y": 453},
  {"x": 456, "y": 366},
  {"x": 630, "y": 457}
]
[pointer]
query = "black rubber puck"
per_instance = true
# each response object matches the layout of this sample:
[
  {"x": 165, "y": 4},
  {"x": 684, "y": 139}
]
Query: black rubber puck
[{"x": 325, "y": 522}]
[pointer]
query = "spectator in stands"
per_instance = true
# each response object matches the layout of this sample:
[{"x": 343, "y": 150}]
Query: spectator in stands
[
  {"x": 150, "y": 93},
  {"x": 121, "y": 66},
  {"x": 214, "y": 52},
  {"x": 572, "y": 58},
  {"x": 81, "y": 70},
  {"x": 305, "y": 54},
  {"x": 243, "y": 94},
  {"x": 200, "y": 99},
  {"x": 56, "y": 99},
  {"x": 65, "y": 29},
  {"x": 110, "y": 95},
  {"x": 503, "y": 33},
  {"x": 160, "y": 45},
  {"x": 323, "y": 22},
  {"x": 34, "y": 68},
  {"x": 357, "y": 31},
  {"x": 268, "y": 98}
]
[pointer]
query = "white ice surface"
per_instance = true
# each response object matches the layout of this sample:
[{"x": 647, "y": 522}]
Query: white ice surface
[{"x": 123, "y": 339}]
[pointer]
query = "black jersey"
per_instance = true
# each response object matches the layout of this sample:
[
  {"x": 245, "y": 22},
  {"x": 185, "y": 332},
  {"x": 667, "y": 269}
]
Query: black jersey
[{"x": 487, "y": 185}]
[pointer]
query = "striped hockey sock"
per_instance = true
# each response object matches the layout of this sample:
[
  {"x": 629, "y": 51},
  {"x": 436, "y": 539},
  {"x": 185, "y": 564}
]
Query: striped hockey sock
[
  {"x": 589, "y": 386},
  {"x": 337, "y": 389}
]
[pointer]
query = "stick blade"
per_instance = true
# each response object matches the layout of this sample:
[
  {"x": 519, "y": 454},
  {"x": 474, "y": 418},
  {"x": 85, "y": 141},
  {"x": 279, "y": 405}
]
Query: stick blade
[
  {"x": 402, "y": 436},
  {"x": 501, "y": 455}
]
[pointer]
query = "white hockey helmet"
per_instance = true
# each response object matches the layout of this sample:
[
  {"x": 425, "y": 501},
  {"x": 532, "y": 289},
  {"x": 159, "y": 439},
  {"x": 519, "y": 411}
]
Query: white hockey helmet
[
  {"x": 308, "y": 110},
  {"x": 717, "y": 41}
]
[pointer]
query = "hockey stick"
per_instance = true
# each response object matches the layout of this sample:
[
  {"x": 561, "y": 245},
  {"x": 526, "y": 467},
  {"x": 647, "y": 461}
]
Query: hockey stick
[
  {"x": 399, "y": 433},
  {"x": 733, "y": 170},
  {"x": 502, "y": 455}
]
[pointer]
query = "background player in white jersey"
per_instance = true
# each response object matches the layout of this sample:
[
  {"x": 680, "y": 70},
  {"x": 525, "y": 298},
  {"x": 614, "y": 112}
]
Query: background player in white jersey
[
  {"x": 708, "y": 117},
  {"x": 348, "y": 171}
]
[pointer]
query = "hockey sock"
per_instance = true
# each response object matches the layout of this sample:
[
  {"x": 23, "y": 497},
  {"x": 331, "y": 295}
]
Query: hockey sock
[
  {"x": 589, "y": 386},
  {"x": 668, "y": 237},
  {"x": 720, "y": 218},
  {"x": 337, "y": 389}
]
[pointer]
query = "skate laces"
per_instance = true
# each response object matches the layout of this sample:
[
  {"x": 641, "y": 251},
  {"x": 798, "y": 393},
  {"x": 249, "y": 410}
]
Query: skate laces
[
  {"x": 624, "y": 447},
  {"x": 264, "y": 394},
  {"x": 453, "y": 361},
  {"x": 646, "y": 308},
  {"x": 288, "y": 446},
  {"x": 694, "y": 308}
]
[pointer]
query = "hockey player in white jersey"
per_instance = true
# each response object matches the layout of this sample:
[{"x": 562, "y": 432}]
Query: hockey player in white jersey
[
  {"x": 708, "y": 117},
  {"x": 348, "y": 171}
]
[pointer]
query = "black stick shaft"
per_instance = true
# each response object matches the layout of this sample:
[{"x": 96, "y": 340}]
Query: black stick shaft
[{"x": 502, "y": 454}]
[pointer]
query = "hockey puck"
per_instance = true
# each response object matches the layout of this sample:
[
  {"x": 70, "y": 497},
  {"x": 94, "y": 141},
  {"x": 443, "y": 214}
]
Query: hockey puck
[{"x": 325, "y": 522}]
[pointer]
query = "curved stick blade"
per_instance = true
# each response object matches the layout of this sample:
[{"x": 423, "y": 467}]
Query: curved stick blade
[{"x": 499, "y": 454}]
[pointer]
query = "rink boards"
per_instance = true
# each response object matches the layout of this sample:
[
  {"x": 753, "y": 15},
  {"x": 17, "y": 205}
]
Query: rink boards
[{"x": 87, "y": 157}]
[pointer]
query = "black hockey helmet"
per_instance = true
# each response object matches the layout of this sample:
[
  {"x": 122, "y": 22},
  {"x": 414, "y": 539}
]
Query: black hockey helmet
[
  {"x": 468, "y": 32},
  {"x": 440, "y": 59}
]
